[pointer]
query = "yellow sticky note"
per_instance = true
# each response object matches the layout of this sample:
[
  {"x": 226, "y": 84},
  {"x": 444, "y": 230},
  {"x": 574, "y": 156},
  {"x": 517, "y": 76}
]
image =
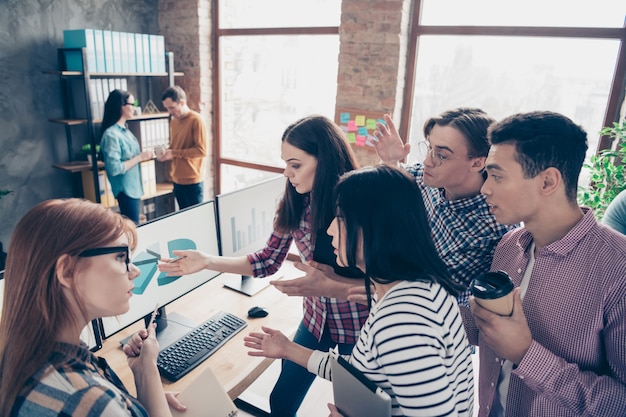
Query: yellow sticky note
[{"x": 360, "y": 120}]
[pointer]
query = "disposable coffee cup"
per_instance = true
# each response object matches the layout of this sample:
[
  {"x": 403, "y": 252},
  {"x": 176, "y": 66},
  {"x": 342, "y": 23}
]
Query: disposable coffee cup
[
  {"x": 494, "y": 291},
  {"x": 159, "y": 150}
]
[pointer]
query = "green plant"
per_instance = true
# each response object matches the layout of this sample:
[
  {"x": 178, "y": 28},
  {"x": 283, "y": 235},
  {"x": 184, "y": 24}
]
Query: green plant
[
  {"x": 606, "y": 173},
  {"x": 86, "y": 148}
]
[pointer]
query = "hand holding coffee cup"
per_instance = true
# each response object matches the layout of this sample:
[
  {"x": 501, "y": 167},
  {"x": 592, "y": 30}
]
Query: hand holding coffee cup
[
  {"x": 159, "y": 150},
  {"x": 494, "y": 291}
]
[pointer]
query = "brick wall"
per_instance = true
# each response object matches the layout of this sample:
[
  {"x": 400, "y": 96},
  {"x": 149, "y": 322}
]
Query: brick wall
[{"x": 373, "y": 36}]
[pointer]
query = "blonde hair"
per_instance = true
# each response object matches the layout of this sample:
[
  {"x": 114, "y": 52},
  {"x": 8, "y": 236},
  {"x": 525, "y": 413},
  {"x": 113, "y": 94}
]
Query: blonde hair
[{"x": 33, "y": 298}]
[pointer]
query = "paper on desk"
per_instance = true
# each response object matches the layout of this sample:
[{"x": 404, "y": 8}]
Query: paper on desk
[{"x": 206, "y": 397}]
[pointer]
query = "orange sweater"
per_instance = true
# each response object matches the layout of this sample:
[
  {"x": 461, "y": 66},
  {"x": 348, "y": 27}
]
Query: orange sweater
[{"x": 189, "y": 148}]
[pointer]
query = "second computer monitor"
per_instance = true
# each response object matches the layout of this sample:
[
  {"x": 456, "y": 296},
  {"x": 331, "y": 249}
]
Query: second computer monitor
[{"x": 246, "y": 219}]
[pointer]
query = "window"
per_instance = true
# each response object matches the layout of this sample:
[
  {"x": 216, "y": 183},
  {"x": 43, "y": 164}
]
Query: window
[
  {"x": 273, "y": 69},
  {"x": 536, "y": 58}
]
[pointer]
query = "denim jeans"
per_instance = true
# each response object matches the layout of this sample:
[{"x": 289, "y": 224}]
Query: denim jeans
[
  {"x": 294, "y": 381},
  {"x": 188, "y": 195},
  {"x": 129, "y": 207}
]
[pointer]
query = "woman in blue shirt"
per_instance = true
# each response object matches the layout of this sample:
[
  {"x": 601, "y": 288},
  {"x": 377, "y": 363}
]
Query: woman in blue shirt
[{"x": 122, "y": 153}]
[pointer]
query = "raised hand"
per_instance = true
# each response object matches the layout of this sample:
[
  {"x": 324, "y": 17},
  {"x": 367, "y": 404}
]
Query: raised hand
[{"x": 389, "y": 146}]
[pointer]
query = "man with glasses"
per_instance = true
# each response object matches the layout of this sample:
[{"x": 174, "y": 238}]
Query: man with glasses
[{"x": 450, "y": 178}]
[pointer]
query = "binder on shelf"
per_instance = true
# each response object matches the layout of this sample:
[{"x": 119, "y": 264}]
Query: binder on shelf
[
  {"x": 96, "y": 106},
  {"x": 130, "y": 55},
  {"x": 157, "y": 53},
  {"x": 148, "y": 178},
  {"x": 146, "y": 52},
  {"x": 106, "y": 195},
  {"x": 138, "y": 40},
  {"x": 150, "y": 132},
  {"x": 108, "y": 51},
  {"x": 117, "y": 51},
  {"x": 99, "y": 47},
  {"x": 160, "y": 53},
  {"x": 124, "y": 64},
  {"x": 79, "y": 38}
]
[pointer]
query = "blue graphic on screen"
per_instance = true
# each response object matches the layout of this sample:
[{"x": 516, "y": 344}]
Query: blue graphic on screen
[
  {"x": 193, "y": 228},
  {"x": 148, "y": 260}
]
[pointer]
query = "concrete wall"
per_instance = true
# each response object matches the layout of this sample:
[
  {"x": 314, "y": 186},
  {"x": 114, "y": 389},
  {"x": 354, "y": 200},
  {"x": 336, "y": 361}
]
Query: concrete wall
[{"x": 29, "y": 144}]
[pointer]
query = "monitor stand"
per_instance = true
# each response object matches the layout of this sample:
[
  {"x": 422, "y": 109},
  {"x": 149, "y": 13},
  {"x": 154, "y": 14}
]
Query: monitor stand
[
  {"x": 247, "y": 284},
  {"x": 170, "y": 327}
]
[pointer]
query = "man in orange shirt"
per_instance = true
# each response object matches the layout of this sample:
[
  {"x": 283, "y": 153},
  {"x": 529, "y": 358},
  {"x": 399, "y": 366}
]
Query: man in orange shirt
[{"x": 188, "y": 148}]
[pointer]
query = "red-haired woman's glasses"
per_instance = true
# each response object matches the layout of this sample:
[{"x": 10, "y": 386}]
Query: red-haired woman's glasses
[{"x": 122, "y": 250}]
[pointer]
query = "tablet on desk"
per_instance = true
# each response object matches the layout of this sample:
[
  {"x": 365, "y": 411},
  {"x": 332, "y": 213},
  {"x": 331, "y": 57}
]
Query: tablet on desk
[
  {"x": 355, "y": 395},
  {"x": 206, "y": 397}
]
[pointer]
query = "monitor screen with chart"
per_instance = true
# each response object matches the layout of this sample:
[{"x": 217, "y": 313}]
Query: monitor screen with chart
[
  {"x": 191, "y": 228},
  {"x": 246, "y": 218}
]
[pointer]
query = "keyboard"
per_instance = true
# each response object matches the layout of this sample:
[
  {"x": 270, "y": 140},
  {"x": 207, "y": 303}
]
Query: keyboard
[{"x": 182, "y": 356}]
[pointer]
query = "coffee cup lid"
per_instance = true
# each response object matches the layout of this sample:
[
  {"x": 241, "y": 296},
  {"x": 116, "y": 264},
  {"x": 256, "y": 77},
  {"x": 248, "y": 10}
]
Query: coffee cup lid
[{"x": 491, "y": 285}]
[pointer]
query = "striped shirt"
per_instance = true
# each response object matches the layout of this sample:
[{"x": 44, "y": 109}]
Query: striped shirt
[
  {"x": 575, "y": 306},
  {"x": 76, "y": 383},
  {"x": 414, "y": 347},
  {"x": 343, "y": 319},
  {"x": 464, "y": 232}
]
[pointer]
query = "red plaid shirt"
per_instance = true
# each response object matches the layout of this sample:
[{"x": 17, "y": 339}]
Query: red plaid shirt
[{"x": 343, "y": 319}]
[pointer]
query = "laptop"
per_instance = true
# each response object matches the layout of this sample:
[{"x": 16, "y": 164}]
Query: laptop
[
  {"x": 206, "y": 397},
  {"x": 355, "y": 395}
]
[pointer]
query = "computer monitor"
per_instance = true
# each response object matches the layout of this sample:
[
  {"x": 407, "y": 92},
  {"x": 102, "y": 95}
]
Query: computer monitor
[
  {"x": 246, "y": 219},
  {"x": 90, "y": 334},
  {"x": 192, "y": 228}
]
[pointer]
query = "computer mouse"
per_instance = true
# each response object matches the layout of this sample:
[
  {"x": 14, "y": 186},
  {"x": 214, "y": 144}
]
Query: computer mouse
[{"x": 257, "y": 311}]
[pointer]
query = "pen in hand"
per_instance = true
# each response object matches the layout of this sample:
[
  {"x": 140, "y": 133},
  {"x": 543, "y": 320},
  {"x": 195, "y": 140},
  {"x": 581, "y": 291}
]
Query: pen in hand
[
  {"x": 176, "y": 260},
  {"x": 153, "y": 316}
]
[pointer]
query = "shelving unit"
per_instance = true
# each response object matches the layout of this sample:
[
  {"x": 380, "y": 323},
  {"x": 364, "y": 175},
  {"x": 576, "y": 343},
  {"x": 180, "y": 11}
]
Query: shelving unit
[{"x": 70, "y": 121}]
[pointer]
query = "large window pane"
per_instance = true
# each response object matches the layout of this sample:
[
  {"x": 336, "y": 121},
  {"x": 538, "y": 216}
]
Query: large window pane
[
  {"x": 279, "y": 13},
  {"x": 505, "y": 75},
  {"x": 573, "y": 13},
  {"x": 235, "y": 177},
  {"x": 268, "y": 82}
]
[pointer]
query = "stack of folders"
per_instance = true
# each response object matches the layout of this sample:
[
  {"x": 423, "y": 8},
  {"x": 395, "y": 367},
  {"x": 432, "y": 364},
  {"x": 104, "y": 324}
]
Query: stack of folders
[
  {"x": 114, "y": 52},
  {"x": 151, "y": 132}
]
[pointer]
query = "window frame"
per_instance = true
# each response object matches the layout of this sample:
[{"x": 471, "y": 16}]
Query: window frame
[
  {"x": 217, "y": 119},
  {"x": 618, "y": 83}
]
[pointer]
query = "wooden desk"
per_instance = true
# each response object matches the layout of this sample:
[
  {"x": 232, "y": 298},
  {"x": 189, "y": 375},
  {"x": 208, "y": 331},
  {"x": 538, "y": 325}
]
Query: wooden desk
[{"x": 231, "y": 363}]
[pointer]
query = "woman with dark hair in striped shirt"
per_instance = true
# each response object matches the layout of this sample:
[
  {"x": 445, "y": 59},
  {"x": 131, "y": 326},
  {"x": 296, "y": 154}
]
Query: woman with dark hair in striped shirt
[{"x": 413, "y": 344}]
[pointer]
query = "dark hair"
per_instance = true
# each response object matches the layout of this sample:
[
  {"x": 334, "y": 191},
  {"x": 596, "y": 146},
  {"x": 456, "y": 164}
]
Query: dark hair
[
  {"x": 175, "y": 93},
  {"x": 542, "y": 140},
  {"x": 320, "y": 137},
  {"x": 33, "y": 296},
  {"x": 471, "y": 122},
  {"x": 382, "y": 206},
  {"x": 113, "y": 108}
]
